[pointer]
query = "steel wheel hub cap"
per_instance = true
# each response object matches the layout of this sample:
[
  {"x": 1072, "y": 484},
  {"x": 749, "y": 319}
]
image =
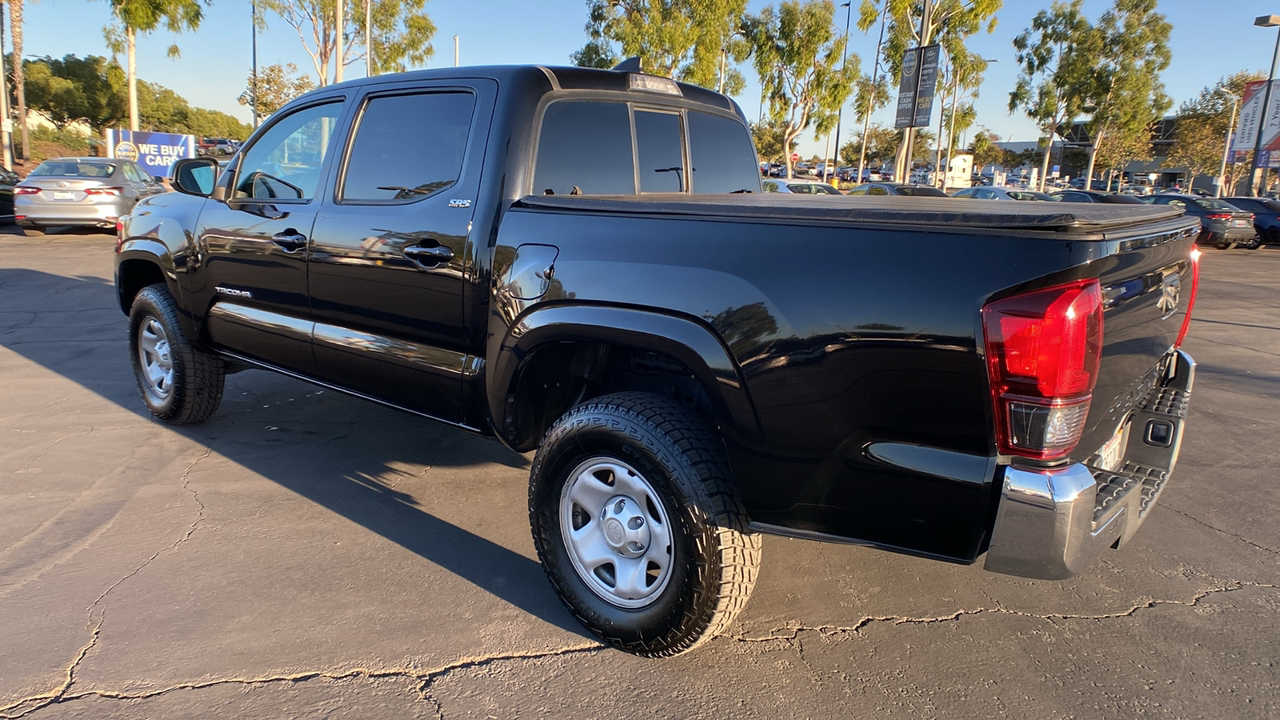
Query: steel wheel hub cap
[
  {"x": 616, "y": 532},
  {"x": 156, "y": 361}
]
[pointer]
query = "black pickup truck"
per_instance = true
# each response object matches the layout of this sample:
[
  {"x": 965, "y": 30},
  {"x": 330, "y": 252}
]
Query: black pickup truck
[{"x": 580, "y": 261}]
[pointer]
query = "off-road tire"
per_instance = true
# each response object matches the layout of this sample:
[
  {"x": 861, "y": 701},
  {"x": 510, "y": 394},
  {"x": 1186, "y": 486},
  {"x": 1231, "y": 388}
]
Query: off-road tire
[
  {"x": 714, "y": 559},
  {"x": 197, "y": 376}
]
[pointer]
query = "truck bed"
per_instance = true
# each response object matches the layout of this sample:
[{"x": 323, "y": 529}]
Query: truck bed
[{"x": 1087, "y": 221}]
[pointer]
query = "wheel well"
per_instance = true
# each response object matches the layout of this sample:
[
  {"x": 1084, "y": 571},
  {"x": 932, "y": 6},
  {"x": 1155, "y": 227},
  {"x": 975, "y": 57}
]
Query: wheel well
[
  {"x": 134, "y": 275},
  {"x": 560, "y": 375}
]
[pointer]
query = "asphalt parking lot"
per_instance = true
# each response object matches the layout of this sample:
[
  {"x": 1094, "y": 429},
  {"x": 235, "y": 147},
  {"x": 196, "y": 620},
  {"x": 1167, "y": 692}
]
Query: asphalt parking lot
[{"x": 305, "y": 554}]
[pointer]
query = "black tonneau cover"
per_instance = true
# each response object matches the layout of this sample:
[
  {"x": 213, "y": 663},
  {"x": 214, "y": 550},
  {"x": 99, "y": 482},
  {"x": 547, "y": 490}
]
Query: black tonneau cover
[{"x": 955, "y": 213}]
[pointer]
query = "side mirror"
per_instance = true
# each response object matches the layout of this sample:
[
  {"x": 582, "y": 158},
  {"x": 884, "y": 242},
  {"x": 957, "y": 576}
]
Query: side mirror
[
  {"x": 194, "y": 176},
  {"x": 158, "y": 179}
]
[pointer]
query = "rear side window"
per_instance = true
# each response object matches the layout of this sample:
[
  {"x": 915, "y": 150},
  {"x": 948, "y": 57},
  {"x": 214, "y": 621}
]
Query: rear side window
[
  {"x": 877, "y": 190},
  {"x": 585, "y": 149},
  {"x": 722, "y": 154},
  {"x": 408, "y": 146}
]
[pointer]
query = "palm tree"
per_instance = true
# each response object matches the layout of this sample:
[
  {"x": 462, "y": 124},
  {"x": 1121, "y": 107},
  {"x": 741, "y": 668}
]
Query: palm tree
[
  {"x": 19, "y": 77},
  {"x": 144, "y": 16}
]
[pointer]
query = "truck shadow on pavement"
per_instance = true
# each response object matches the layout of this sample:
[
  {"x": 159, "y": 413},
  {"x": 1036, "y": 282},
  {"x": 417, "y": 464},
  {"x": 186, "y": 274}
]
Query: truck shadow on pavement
[{"x": 341, "y": 453}]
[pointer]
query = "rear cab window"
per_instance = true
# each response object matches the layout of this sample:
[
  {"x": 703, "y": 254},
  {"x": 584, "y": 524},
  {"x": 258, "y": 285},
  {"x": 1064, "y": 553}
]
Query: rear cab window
[{"x": 607, "y": 147}]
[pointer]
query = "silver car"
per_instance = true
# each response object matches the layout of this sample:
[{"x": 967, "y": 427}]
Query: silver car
[{"x": 83, "y": 191}]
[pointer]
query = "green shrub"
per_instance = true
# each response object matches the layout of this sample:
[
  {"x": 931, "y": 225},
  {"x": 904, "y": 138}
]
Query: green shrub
[{"x": 71, "y": 139}]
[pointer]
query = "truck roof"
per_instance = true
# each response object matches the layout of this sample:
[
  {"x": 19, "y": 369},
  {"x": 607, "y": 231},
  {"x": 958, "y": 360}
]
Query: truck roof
[
  {"x": 927, "y": 212},
  {"x": 560, "y": 78}
]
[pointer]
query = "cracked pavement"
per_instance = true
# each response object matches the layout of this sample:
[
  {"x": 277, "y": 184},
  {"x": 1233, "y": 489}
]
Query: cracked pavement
[{"x": 304, "y": 554}]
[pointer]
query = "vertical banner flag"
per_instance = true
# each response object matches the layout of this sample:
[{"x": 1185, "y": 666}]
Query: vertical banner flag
[
  {"x": 927, "y": 85},
  {"x": 907, "y": 89},
  {"x": 154, "y": 151}
]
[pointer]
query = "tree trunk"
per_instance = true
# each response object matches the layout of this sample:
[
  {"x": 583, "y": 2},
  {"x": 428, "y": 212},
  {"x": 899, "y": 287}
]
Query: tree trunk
[
  {"x": 19, "y": 74},
  {"x": 1093, "y": 154},
  {"x": 787, "y": 138},
  {"x": 131, "y": 38},
  {"x": 1044, "y": 161}
]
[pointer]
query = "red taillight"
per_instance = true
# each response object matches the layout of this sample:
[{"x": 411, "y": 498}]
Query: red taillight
[
  {"x": 1191, "y": 301},
  {"x": 1043, "y": 349},
  {"x": 1219, "y": 216},
  {"x": 25, "y": 190},
  {"x": 113, "y": 191}
]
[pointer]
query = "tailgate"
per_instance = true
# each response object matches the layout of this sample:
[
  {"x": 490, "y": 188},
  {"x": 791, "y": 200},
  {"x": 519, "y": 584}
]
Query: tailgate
[{"x": 1147, "y": 289}]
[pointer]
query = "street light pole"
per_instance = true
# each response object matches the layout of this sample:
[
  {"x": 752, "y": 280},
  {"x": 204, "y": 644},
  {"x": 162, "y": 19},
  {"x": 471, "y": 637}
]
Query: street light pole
[
  {"x": 871, "y": 104},
  {"x": 1226, "y": 144},
  {"x": 255, "y": 63},
  {"x": 1263, "y": 21},
  {"x": 844, "y": 63}
]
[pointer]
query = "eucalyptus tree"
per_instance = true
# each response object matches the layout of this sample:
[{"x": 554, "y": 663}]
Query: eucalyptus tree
[
  {"x": 274, "y": 86},
  {"x": 1127, "y": 96},
  {"x": 798, "y": 55},
  {"x": 1056, "y": 59},
  {"x": 689, "y": 40},
  {"x": 949, "y": 24},
  {"x": 400, "y": 32},
  {"x": 1203, "y": 124}
]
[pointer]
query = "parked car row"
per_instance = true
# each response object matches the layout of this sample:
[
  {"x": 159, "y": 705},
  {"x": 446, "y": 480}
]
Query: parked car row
[
  {"x": 96, "y": 192},
  {"x": 1225, "y": 223}
]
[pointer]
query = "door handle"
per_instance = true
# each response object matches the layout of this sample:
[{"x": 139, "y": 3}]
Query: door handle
[
  {"x": 428, "y": 256},
  {"x": 290, "y": 239}
]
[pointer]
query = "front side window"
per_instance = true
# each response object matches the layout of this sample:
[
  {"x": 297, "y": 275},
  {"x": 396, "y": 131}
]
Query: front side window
[
  {"x": 285, "y": 163},
  {"x": 408, "y": 146},
  {"x": 659, "y": 153},
  {"x": 800, "y": 188},
  {"x": 585, "y": 149}
]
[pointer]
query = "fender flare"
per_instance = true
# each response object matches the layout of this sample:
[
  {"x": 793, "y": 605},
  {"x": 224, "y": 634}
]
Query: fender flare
[
  {"x": 153, "y": 252},
  {"x": 686, "y": 340}
]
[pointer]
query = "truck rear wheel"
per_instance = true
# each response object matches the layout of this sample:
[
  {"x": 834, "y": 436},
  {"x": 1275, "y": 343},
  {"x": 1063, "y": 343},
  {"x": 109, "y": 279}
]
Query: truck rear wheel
[
  {"x": 180, "y": 383},
  {"x": 637, "y": 525}
]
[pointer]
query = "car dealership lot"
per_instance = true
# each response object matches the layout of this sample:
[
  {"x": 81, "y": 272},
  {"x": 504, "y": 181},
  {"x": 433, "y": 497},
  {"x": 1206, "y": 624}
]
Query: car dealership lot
[{"x": 306, "y": 554}]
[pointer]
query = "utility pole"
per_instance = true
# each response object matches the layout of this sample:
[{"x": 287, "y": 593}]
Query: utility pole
[
  {"x": 1226, "y": 146},
  {"x": 844, "y": 63},
  {"x": 340, "y": 24},
  {"x": 368, "y": 38},
  {"x": 1264, "y": 21},
  {"x": 866, "y": 119},
  {"x": 6, "y": 124},
  {"x": 254, "y": 89},
  {"x": 455, "y": 51},
  {"x": 909, "y": 133}
]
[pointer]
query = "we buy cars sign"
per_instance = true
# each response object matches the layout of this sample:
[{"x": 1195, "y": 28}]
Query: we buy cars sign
[
  {"x": 154, "y": 151},
  {"x": 1252, "y": 118}
]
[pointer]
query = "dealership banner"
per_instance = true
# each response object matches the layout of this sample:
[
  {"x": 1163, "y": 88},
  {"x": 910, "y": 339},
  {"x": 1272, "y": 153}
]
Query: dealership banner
[
  {"x": 154, "y": 151},
  {"x": 1251, "y": 117}
]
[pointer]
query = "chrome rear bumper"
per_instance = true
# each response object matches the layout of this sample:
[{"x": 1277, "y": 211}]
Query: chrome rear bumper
[{"x": 1052, "y": 523}]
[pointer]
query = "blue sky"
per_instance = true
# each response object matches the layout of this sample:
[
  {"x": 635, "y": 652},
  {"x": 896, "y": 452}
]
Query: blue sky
[{"x": 1210, "y": 40}]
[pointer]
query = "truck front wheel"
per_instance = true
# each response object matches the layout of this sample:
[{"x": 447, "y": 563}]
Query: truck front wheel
[
  {"x": 180, "y": 383},
  {"x": 637, "y": 525}
]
